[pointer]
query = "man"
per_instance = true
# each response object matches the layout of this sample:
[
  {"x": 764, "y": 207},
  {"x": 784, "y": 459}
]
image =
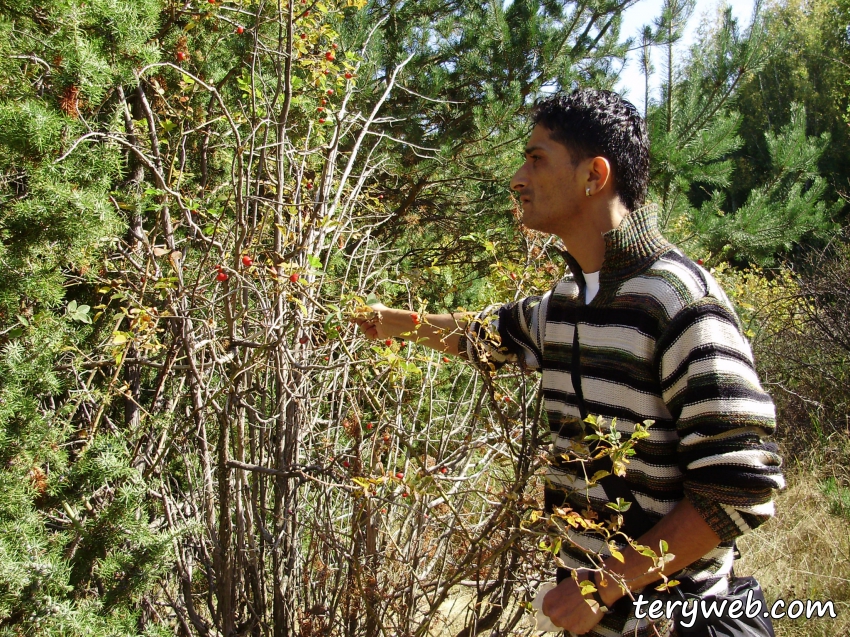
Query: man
[{"x": 636, "y": 331}]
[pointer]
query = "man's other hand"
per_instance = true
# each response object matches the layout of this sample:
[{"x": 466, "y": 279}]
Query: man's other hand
[{"x": 566, "y": 607}]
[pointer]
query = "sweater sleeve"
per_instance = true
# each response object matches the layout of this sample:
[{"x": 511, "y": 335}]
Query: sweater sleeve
[
  {"x": 507, "y": 334},
  {"x": 722, "y": 415}
]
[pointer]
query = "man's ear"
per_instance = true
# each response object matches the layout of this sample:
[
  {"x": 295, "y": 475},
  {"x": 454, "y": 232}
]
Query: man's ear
[{"x": 599, "y": 175}]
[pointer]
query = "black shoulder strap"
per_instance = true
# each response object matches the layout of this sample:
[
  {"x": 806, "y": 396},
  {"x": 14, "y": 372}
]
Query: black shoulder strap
[{"x": 636, "y": 521}]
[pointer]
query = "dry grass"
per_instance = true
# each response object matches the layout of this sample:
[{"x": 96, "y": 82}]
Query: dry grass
[{"x": 804, "y": 552}]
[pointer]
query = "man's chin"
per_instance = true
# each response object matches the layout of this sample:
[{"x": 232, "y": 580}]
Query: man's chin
[{"x": 528, "y": 220}]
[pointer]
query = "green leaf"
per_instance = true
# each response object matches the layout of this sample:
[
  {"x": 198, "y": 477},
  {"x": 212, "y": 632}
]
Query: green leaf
[{"x": 620, "y": 505}]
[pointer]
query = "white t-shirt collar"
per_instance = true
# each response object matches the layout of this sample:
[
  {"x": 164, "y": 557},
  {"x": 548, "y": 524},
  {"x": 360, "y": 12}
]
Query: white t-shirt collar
[{"x": 591, "y": 280}]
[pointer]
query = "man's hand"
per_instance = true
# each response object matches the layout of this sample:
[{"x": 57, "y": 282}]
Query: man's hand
[
  {"x": 568, "y": 609},
  {"x": 371, "y": 325}
]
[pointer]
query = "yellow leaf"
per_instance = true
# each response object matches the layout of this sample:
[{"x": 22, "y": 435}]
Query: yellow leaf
[
  {"x": 586, "y": 587},
  {"x": 119, "y": 338},
  {"x": 617, "y": 555},
  {"x": 599, "y": 475}
]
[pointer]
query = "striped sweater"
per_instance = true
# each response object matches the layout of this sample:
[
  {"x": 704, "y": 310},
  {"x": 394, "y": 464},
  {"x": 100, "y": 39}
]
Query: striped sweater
[{"x": 660, "y": 341}]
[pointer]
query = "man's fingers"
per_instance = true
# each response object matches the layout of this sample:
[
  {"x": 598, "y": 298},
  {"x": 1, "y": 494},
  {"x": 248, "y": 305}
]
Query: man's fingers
[{"x": 368, "y": 328}]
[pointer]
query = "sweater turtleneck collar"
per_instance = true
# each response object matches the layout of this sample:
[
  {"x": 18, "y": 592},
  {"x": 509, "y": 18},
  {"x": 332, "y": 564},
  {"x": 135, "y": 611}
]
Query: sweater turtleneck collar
[{"x": 630, "y": 248}]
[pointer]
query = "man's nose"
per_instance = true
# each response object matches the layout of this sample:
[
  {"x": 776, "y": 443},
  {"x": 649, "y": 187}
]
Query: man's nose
[{"x": 519, "y": 180}]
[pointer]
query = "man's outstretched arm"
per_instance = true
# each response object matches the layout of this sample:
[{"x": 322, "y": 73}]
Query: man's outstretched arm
[{"x": 438, "y": 331}]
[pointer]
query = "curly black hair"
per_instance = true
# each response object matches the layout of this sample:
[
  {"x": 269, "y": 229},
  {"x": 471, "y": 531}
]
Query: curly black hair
[{"x": 591, "y": 123}]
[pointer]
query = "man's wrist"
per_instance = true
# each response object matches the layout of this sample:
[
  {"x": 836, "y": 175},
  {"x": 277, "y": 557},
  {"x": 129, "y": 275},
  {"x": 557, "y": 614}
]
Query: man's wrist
[{"x": 610, "y": 591}]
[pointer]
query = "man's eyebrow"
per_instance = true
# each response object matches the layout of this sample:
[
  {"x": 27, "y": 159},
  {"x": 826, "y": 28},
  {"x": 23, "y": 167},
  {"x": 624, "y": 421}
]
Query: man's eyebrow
[{"x": 532, "y": 149}]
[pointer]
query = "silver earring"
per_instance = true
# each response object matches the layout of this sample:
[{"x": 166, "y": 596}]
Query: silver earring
[{"x": 587, "y": 191}]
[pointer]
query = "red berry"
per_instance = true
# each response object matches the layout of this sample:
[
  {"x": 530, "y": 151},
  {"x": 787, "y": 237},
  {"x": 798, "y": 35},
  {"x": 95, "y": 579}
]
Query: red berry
[
  {"x": 443, "y": 470},
  {"x": 405, "y": 494},
  {"x": 325, "y": 72},
  {"x": 303, "y": 36},
  {"x": 327, "y": 358},
  {"x": 306, "y": 13},
  {"x": 335, "y": 45},
  {"x": 446, "y": 359},
  {"x": 330, "y": 91},
  {"x": 329, "y": 56},
  {"x": 383, "y": 510},
  {"x": 415, "y": 318},
  {"x": 181, "y": 56},
  {"x": 247, "y": 261},
  {"x": 348, "y": 76},
  {"x": 221, "y": 277},
  {"x": 321, "y": 109},
  {"x": 309, "y": 185},
  {"x": 399, "y": 475},
  {"x": 240, "y": 30},
  {"x": 403, "y": 344},
  {"x": 218, "y": 267},
  {"x": 507, "y": 399},
  {"x": 303, "y": 340},
  {"x": 293, "y": 278},
  {"x": 513, "y": 276},
  {"x": 699, "y": 261},
  {"x": 380, "y": 196},
  {"x": 346, "y": 464},
  {"x": 324, "y": 101},
  {"x": 211, "y": 1},
  {"x": 386, "y": 437},
  {"x": 370, "y": 426},
  {"x": 321, "y": 120},
  {"x": 388, "y": 342}
]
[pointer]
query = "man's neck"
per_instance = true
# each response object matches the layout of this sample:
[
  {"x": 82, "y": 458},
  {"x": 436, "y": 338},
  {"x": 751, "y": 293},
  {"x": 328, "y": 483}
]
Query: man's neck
[{"x": 584, "y": 238}]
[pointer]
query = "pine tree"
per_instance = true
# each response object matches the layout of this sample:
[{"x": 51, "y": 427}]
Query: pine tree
[{"x": 694, "y": 142}]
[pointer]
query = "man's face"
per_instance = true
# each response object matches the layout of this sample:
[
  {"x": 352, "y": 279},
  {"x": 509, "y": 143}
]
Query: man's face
[{"x": 548, "y": 184}]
